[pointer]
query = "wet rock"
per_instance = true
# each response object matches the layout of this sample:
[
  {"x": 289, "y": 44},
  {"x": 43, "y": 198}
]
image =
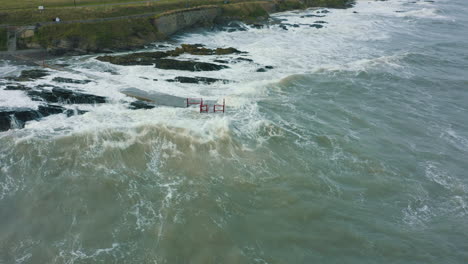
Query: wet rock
[
  {"x": 239, "y": 59},
  {"x": 17, "y": 88},
  {"x": 316, "y": 26},
  {"x": 170, "y": 64},
  {"x": 283, "y": 27},
  {"x": 258, "y": 26},
  {"x": 61, "y": 95},
  {"x": 29, "y": 75},
  {"x": 199, "y": 49},
  {"x": 141, "y": 105},
  {"x": 112, "y": 72},
  {"x": 16, "y": 118},
  {"x": 355, "y": 12},
  {"x": 232, "y": 26},
  {"x": 320, "y": 22},
  {"x": 311, "y": 15},
  {"x": 204, "y": 80},
  {"x": 150, "y": 58},
  {"x": 142, "y": 58},
  {"x": 46, "y": 110},
  {"x": 68, "y": 80},
  {"x": 222, "y": 61},
  {"x": 264, "y": 69},
  {"x": 323, "y": 11}
]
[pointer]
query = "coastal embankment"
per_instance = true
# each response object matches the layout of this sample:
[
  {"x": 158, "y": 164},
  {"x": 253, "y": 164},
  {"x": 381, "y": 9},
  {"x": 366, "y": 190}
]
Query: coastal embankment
[{"x": 96, "y": 35}]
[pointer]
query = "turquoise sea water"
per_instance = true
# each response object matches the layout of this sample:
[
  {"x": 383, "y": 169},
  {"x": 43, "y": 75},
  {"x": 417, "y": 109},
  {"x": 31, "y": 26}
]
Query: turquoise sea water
[{"x": 353, "y": 149}]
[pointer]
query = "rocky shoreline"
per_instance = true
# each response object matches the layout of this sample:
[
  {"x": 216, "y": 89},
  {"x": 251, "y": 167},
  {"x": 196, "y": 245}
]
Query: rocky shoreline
[{"x": 58, "y": 100}]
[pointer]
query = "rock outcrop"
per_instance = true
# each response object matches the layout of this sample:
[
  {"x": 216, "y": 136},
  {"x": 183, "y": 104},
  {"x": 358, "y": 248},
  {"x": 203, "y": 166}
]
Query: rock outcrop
[
  {"x": 171, "y": 64},
  {"x": 17, "y": 118},
  {"x": 150, "y": 58},
  {"x": 60, "y": 95},
  {"x": 204, "y": 80}
]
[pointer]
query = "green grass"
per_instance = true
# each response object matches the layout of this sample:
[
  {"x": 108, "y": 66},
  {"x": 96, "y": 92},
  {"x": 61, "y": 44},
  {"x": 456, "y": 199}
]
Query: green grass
[
  {"x": 3, "y": 39},
  {"x": 33, "y": 16},
  {"x": 245, "y": 11},
  {"x": 33, "y": 4},
  {"x": 110, "y": 34}
]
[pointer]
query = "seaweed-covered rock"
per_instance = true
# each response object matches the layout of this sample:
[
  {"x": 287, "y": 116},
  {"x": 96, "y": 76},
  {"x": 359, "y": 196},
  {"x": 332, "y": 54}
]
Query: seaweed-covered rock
[
  {"x": 29, "y": 75},
  {"x": 68, "y": 80},
  {"x": 141, "y": 58},
  {"x": 150, "y": 58},
  {"x": 65, "y": 96},
  {"x": 170, "y": 64},
  {"x": 198, "y": 49},
  {"x": 204, "y": 80}
]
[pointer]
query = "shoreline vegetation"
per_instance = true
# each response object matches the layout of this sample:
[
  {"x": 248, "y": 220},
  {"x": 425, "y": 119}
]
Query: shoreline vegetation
[{"x": 119, "y": 26}]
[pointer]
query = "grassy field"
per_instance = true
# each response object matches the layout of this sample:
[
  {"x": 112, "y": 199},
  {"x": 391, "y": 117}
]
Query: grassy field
[
  {"x": 33, "y": 16},
  {"x": 33, "y": 4}
]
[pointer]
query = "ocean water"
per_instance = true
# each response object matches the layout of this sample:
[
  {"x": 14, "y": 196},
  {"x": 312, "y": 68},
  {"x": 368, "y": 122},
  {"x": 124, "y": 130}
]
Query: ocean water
[{"x": 352, "y": 149}]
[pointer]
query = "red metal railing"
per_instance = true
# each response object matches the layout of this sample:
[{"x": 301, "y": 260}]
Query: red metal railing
[
  {"x": 204, "y": 108},
  {"x": 199, "y": 102},
  {"x": 223, "y": 106}
]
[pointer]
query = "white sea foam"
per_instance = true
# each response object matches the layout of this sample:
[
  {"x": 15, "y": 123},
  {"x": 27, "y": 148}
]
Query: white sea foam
[{"x": 336, "y": 46}]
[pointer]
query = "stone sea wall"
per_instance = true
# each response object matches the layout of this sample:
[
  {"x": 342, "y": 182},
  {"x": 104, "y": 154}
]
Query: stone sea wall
[{"x": 126, "y": 34}]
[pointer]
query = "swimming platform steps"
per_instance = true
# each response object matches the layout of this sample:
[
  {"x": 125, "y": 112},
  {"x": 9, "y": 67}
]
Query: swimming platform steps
[{"x": 157, "y": 98}]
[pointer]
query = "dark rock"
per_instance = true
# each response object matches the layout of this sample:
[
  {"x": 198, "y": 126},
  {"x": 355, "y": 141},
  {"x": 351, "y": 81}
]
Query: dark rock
[
  {"x": 142, "y": 58},
  {"x": 112, "y": 72},
  {"x": 355, "y": 12},
  {"x": 222, "y": 61},
  {"x": 57, "y": 95},
  {"x": 16, "y": 118},
  {"x": 141, "y": 105},
  {"x": 310, "y": 15},
  {"x": 74, "y": 112},
  {"x": 17, "y": 88},
  {"x": 239, "y": 59},
  {"x": 198, "y": 49},
  {"x": 320, "y": 22},
  {"x": 67, "y": 80},
  {"x": 170, "y": 64},
  {"x": 264, "y": 69},
  {"x": 323, "y": 11},
  {"x": 316, "y": 26},
  {"x": 295, "y": 25},
  {"x": 150, "y": 58},
  {"x": 204, "y": 80},
  {"x": 46, "y": 110},
  {"x": 29, "y": 75},
  {"x": 258, "y": 26},
  {"x": 283, "y": 27},
  {"x": 231, "y": 26}
]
